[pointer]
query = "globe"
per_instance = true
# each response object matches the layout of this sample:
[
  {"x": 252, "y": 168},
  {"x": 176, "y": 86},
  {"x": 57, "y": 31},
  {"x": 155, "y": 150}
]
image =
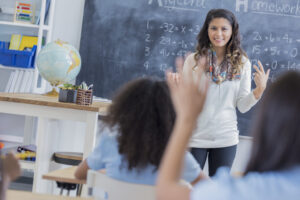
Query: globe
[{"x": 58, "y": 62}]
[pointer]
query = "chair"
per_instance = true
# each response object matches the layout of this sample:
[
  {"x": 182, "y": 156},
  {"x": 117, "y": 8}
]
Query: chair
[
  {"x": 68, "y": 158},
  {"x": 102, "y": 187}
]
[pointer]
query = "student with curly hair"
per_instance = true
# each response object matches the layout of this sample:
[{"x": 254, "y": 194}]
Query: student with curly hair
[
  {"x": 229, "y": 70},
  {"x": 136, "y": 131}
]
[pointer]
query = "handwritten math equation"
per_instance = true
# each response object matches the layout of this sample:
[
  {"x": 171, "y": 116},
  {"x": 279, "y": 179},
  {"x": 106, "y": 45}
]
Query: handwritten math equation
[{"x": 279, "y": 51}]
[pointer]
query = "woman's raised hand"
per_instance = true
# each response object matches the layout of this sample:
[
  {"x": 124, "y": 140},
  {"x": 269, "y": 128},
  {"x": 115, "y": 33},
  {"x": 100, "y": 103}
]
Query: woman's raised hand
[{"x": 260, "y": 79}]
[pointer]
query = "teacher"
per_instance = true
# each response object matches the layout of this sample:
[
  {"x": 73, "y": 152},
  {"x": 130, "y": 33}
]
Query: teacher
[{"x": 229, "y": 71}]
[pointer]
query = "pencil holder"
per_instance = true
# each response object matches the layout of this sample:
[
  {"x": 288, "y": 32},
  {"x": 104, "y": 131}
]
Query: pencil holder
[{"x": 84, "y": 97}]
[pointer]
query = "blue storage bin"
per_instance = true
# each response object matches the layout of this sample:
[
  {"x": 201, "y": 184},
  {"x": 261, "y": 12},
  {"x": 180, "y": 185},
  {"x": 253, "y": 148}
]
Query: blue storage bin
[{"x": 24, "y": 59}]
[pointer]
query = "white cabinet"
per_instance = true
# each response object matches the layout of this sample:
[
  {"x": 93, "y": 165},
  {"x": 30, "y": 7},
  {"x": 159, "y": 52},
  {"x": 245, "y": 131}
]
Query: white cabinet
[{"x": 42, "y": 30}]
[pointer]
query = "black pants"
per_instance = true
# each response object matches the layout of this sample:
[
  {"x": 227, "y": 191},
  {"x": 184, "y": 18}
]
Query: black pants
[{"x": 217, "y": 157}]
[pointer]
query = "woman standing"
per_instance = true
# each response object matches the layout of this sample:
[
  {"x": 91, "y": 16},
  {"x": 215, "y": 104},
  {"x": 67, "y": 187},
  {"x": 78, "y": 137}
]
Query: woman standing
[{"x": 229, "y": 69}]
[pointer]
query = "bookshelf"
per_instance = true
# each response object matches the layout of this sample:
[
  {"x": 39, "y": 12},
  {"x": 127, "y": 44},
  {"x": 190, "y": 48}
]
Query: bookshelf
[{"x": 41, "y": 28}]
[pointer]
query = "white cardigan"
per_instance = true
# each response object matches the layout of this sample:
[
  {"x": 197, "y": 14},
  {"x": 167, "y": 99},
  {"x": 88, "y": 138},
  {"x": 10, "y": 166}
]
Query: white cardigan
[{"x": 217, "y": 123}]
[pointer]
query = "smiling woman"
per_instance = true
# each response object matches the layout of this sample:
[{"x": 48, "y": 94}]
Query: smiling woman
[{"x": 229, "y": 70}]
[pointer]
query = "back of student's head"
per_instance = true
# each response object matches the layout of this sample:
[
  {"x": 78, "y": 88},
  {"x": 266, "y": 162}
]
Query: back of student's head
[
  {"x": 143, "y": 112},
  {"x": 276, "y": 143}
]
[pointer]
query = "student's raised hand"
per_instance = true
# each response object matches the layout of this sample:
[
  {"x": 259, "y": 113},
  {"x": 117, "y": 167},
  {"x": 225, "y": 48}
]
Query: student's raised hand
[
  {"x": 11, "y": 167},
  {"x": 177, "y": 76},
  {"x": 260, "y": 79},
  {"x": 189, "y": 93}
]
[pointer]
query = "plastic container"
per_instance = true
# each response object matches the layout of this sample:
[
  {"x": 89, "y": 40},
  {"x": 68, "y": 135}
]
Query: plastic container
[
  {"x": 15, "y": 58},
  {"x": 66, "y": 95}
]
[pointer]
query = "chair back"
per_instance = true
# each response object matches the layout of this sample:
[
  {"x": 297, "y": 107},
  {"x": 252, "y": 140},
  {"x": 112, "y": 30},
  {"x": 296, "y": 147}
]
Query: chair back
[{"x": 102, "y": 187}]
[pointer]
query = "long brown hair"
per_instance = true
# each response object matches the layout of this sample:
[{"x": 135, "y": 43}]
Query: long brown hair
[
  {"x": 234, "y": 51},
  {"x": 276, "y": 142}
]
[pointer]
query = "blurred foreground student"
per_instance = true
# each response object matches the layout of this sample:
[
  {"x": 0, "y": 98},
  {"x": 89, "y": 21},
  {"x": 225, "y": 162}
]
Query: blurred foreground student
[
  {"x": 136, "y": 131},
  {"x": 273, "y": 171},
  {"x": 9, "y": 171}
]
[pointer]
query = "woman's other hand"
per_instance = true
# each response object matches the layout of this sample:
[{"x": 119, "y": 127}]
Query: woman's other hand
[{"x": 260, "y": 79}]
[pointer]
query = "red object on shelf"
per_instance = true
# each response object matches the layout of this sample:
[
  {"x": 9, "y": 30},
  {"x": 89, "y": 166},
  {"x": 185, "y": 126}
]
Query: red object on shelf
[
  {"x": 25, "y": 8},
  {"x": 1, "y": 145}
]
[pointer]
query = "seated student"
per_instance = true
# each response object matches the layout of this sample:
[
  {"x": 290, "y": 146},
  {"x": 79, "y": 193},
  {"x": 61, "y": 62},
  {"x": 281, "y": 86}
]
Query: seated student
[
  {"x": 9, "y": 171},
  {"x": 136, "y": 131},
  {"x": 273, "y": 171}
]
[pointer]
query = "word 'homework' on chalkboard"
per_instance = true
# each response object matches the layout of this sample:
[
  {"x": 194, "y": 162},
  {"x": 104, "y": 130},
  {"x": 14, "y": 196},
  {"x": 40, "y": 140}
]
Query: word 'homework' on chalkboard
[{"x": 123, "y": 40}]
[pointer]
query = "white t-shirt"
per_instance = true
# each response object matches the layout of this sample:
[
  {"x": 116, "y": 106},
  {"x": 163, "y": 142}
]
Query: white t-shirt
[{"x": 217, "y": 123}]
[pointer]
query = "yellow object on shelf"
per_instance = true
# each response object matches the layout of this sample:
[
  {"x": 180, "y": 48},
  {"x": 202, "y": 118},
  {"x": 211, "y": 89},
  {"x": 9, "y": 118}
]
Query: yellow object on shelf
[
  {"x": 28, "y": 41},
  {"x": 15, "y": 42}
]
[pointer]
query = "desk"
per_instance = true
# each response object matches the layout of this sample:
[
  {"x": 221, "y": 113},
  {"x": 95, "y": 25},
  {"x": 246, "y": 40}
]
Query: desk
[
  {"x": 21, "y": 195},
  {"x": 45, "y": 108},
  {"x": 64, "y": 175}
]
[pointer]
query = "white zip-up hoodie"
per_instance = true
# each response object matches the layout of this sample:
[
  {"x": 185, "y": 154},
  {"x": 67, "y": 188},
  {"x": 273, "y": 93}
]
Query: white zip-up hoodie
[{"x": 217, "y": 123}]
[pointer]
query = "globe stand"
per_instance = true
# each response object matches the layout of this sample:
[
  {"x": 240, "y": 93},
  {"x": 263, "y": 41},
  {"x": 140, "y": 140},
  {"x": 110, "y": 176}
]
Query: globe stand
[{"x": 53, "y": 92}]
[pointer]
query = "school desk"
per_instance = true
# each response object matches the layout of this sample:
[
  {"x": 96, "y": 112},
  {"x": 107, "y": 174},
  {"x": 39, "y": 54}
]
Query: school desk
[
  {"x": 21, "y": 195},
  {"x": 45, "y": 108},
  {"x": 64, "y": 175}
]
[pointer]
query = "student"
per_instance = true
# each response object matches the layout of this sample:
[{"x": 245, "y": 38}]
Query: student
[
  {"x": 229, "y": 69},
  {"x": 137, "y": 128},
  {"x": 273, "y": 171},
  {"x": 9, "y": 171}
]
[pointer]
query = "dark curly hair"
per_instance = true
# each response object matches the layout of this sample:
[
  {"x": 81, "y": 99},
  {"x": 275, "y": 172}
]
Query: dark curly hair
[
  {"x": 234, "y": 50},
  {"x": 144, "y": 114}
]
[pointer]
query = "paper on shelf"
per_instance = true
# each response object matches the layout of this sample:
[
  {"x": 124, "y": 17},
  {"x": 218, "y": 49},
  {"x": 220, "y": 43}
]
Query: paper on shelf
[{"x": 99, "y": 99}]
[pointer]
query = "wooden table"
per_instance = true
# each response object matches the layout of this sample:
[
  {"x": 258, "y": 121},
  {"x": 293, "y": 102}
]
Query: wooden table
[
  {"x": 21, "y": 195},
  {"x": 64, "y": 175},
  {"x": 45, "y": 108}
]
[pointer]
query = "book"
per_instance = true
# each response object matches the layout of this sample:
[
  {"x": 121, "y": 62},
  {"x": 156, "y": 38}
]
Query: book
[
  {"x": 15, "y": 42},
  {"x": 25, "y": 81},
  {"x": 13, "y": 81},
  {"x": 9, "y": 81},
  {"x": 28, "y": 42},
  {"x": 18, "y": 82},
  {"x": 30, "y": 82}
]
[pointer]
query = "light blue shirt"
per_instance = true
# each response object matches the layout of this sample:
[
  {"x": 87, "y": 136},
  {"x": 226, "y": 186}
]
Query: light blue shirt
[
  {"x": 282, "y": 185},
  {"x": 106, "y": 156}
]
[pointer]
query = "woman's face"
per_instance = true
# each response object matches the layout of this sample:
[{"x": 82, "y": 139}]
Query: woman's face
[{"x": 219, "y": 32}]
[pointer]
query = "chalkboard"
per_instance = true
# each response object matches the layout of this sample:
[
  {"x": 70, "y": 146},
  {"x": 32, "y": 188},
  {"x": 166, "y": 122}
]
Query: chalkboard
[{"x": 123, "y": 40}]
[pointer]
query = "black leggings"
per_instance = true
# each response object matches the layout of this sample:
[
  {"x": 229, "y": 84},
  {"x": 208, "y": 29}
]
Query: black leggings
[{"x": 217, "y": 157}]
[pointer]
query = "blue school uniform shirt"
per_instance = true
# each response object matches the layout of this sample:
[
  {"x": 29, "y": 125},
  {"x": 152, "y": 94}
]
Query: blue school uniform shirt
[
  {"x": 106, "y": 156},
  {"x": 281, "y": 185}
]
